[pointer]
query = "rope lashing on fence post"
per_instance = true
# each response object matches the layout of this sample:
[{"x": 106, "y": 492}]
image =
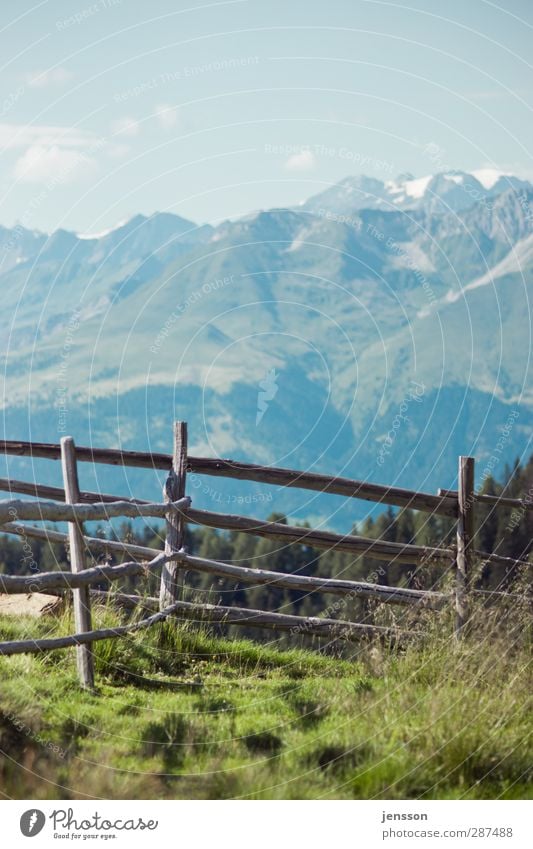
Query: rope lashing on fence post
[
  {"x": 81, "y": 597},
  {"x": 171, "y": 587},
  {"x": 465, "y": 535}
]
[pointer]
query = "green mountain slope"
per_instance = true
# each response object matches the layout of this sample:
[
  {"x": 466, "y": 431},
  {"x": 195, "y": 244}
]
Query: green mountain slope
[{"x": 292, "y": 337}]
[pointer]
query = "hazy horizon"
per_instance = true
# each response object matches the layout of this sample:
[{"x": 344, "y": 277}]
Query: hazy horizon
[
  {"x": 215, "y": 110},
  {"x": 485, "y": 176}
]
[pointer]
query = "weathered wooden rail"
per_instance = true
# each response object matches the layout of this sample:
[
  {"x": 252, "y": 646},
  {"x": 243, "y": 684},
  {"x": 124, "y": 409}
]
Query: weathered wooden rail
[
  {"x": 313, "y": 625},
  {"x": 222, "y": 521},
  {"x": 44, "y": 581},
  {"x": 70, "y": 504},
  {"x": 397, "y": 497},
  {"x": 42, "y": 511}
]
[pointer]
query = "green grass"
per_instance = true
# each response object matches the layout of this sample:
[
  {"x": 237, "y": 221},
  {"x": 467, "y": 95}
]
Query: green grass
[{"x": 180, "y": 713}]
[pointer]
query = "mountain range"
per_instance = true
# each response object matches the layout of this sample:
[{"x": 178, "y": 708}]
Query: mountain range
[{"x": 376, "y": 330}]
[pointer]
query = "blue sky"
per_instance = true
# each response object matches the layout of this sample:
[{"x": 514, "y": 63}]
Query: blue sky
[{"x": 210, "y": 110}]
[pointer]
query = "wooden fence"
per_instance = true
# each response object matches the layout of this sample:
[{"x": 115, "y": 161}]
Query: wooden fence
[{"x": 74, "y": 506}]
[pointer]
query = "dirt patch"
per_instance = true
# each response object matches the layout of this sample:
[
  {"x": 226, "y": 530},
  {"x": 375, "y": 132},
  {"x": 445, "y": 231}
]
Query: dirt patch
[{"x": 31, "y": 604}]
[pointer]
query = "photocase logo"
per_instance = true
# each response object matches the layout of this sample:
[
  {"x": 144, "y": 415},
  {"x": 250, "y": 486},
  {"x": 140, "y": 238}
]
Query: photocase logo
[
  {"x": 32, "y": 822},
  {"x": 268, "y": 390}
]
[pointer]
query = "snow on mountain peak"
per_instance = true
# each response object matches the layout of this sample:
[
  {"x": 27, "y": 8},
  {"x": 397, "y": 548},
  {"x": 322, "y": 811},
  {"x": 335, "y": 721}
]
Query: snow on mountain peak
[
  {"x": 102, "y": 233},
  {"x": 417, "y": 188},
  {"x": 412, "y": 187},
  {"x": 458, "y": 179},
  {"x": 407, "y": 186},
  {"x": 488, "y": 177}
]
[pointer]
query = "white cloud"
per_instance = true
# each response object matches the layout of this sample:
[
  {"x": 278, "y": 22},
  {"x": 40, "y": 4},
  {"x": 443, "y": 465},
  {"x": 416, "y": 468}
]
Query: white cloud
[
  {"x": 22, "y": 135},
  {"x": 303, "y": 161},
  {"x": 125, "y": 127},
  {"x": 53, "y": 76},
  {"x": 51, "y": 165},
  {"x": 118, "y": 151},
  {"x": 166, "y": 115}
]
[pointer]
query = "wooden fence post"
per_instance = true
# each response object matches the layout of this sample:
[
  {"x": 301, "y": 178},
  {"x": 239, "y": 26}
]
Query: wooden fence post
[
  {"x": 172, "y": 575},
  {"x": 81, "y": 597},
  {"x": 465, "y": 534}
]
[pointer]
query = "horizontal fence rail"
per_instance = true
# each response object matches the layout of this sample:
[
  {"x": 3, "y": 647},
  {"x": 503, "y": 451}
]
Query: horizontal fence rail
[
  {"x": 258, "y": 577},
  {"x": 336, "y": 586},
  {"x": 44, "y": 581},
  {"x": 347, "y": 487},
  {"x": 378, "y": 549},
  {"x": 48, "y": 644},
  {"x": 396, "y": 496},
  {"x": 107, "y": 456},
  {"x": 50, "y": 511},
  {"x": 224, "y": 522},
  {"x": 494, "y": 500},
  {"x": 333, "y": 629}
]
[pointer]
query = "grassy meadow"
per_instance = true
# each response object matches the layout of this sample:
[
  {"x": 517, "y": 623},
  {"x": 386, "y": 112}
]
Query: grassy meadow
[{"x": 181, "y": 712}]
